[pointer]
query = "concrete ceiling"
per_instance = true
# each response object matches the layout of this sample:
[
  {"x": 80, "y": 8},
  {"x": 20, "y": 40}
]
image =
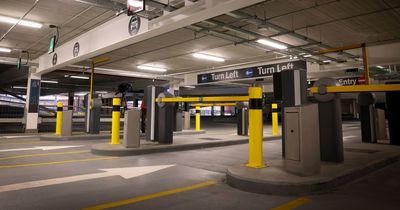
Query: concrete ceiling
[{"x": 306, "y": 26}]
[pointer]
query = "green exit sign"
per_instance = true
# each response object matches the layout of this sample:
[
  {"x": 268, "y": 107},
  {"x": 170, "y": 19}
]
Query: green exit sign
[
  {"x": 19, "y": 64},
  {"x": 52, "y": 44}
]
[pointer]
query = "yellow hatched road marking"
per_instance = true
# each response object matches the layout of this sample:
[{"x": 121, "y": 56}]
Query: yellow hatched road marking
[
  {"x": 293, "y": 204},
  {"x": 151, "y": 196},
  {"x": 57, "y": 162},
  {"x": 44, "y": 154}
]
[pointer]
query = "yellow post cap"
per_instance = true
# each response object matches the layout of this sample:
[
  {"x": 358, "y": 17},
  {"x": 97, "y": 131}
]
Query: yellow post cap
[{"x": 117, "y": 101}]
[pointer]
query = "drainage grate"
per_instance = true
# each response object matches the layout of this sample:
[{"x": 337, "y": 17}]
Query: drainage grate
[
  {"x": 212, "y": 139},
  {"x": 367, "y": 151}
]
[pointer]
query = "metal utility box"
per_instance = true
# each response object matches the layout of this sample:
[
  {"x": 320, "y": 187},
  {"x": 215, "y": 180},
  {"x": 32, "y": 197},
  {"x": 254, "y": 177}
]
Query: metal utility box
[
  {"x": 178, "y": 121},
  {"x": 186, "y": 120},
  {"x": 66, "y": 126},
  {"x": 92, "y": 118},
  {"x": 302, "y": 140},
  {"x": 380, "y": 126},
  {"x": 132, "y": 128}
]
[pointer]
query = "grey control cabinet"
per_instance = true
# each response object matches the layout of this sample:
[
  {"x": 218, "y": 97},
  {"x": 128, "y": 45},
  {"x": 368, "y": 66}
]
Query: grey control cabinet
[
  {"x": 186, "y": 120},
  {"x": 302, "y": 140},
  {"x": 132, "y": 128},
  {"x": 92, "y": 118},
  {"x": 66, "y": 126}
]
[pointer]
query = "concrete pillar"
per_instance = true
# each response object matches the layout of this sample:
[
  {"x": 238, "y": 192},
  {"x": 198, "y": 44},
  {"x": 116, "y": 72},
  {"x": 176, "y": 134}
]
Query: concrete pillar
[
  {"x": 31, "y": 111},
  {"x": 393, "y": 114},
  {"x": 367, "y": 117},
  {"x": 71, "y": 100}
]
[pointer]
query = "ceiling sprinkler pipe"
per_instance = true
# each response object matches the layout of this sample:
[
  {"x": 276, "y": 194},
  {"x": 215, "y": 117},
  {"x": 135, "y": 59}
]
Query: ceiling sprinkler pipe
[{"x": 12, "y": 27}]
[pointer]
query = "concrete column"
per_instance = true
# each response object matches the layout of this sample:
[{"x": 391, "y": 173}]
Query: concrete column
[
  {"x": 31, "y": 111},
  {"x": 71, "y": 100}
]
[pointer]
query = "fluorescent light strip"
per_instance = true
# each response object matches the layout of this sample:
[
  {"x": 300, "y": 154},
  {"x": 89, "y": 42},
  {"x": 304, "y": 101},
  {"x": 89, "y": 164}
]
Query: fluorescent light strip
[
  {"x": 306, "y": 56},
  {"x": 78, "y": 77},
  {"x": 151, "y": 68},
  {"x": 19, "y": 87},
  {"x": 381, "y": 67},
  {"x": 208, "y": 57},
  {"x": 49, "y": 81},
  {"x": 27, "y": 23},
  {"x": 6, "y": 50},
  {"x": 272, "y": 44},
  {"x": 327, "y": 61}
]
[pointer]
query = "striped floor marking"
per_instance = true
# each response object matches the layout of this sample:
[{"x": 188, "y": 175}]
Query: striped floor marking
[
  {"x": 293, "y": 204},
  {"x": 150, "y": 196}
]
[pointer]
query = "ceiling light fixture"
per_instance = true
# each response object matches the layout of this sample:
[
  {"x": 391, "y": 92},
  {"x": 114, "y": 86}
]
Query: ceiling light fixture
[
  {"x": 381, "y": 67},
  {"x": 78, "y": 77},
  {"x": 6, "y": 50},
  {"x": 49, "y": 81},
  {"x": 19, "y": 87},
  {"x": 26, "y": 23},
  {"x": 272, "y": 44},
  {"x": 327, "y": 61},
  {"x": 151, "y": 68},
  {"x": 208, "y": 57},
  {"x": 306, "y": 56}
]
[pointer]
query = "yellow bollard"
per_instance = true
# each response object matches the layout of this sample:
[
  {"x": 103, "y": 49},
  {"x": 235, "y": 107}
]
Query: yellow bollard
[
  {"x": 197, "y": 118},
  {"x": 275, "y": 126},
  {"x": 255, "y": 128},
  {"x": 59, "y": 118},
  {"x": 116, "y": 117}
]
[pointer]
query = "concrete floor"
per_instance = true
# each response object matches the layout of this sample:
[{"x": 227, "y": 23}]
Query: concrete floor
[{"x": 175, "y": 187}]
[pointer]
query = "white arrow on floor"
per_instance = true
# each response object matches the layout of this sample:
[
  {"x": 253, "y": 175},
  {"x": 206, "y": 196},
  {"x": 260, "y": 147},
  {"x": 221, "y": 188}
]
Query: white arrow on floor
[
  {"x": 126, "y": 173},
  {"x": 40, "y": 148}
]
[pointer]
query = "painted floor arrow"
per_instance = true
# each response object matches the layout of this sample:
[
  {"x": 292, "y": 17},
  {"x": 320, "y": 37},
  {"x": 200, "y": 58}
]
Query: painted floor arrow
[
  {"x": 126, "y": 173},
  {"x": 40, "y": 148}
]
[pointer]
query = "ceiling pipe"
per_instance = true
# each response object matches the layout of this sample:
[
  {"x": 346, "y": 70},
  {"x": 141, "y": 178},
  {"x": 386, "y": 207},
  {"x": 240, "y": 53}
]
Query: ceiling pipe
[
  {"x": 283, "y": 31},
  {"x": 246, "y": 32},
  {"x": 26, "y": 13}
]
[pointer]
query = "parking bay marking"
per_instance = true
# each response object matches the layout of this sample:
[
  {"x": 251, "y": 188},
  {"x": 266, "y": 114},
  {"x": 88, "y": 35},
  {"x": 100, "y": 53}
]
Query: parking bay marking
[
  {"x": 293, "y": 204},
  {"x": 150, "y": 196},
  {"x": 126, "y": 173},
  {"x": 44, "y": 154},
  {"x": 41, "y": 148},
  {"x": 56, "y": 162}
]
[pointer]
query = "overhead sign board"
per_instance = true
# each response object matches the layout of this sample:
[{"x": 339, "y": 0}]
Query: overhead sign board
[
  {"x": 348, "y": 81},
  {"x": 251, "y": 72}
]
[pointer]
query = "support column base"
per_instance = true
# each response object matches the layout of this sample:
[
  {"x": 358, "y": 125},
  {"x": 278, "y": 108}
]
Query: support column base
[{"x": 31, "y": 131}]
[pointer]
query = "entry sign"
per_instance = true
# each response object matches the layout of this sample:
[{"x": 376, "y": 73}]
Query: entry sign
[
  {"x": 34, "y": 96},
  {"x": 251, "y": 72},
  {"x": 135, "y": 6}
]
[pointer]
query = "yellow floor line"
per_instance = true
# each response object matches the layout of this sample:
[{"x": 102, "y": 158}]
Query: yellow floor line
[
  {"x": 293, "y": 204},
  {"x": 27, "y": 142},
  {"x": 150, "y": 196},
  {"x": 44, "y": 154},
  {"x": 57, "y": 162}
]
